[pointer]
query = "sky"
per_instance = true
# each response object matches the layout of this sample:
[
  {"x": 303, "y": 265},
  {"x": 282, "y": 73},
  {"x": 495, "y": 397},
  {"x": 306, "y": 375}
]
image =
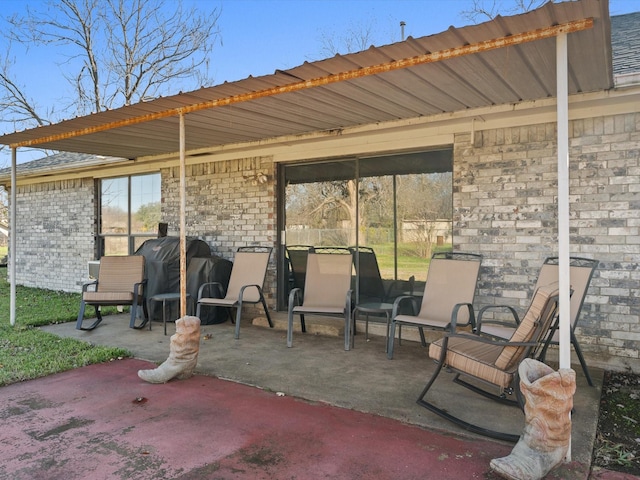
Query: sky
[{"x": 261, "y": 36}]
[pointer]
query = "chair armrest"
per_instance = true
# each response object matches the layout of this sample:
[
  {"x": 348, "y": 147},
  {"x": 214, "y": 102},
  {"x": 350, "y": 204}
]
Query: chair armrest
[
  {"x": 403, "y": 300},
  {"x": 139, "y": 287},
  {"x": 295, "y": 295},
  {"x": 488, "y": 340},
  {"x": 220, "y": 289},
  {"x": 86, "y": 286},
  {"x": 481, "y": 339},
  {"x": 512, "y": 310},
  {"x": 454, "y": 316},
  {"x": 242, "y": 289}
]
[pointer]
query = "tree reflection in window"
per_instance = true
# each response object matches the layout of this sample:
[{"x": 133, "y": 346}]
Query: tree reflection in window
[
  {"x": 129, "y": 212},
  {"x": 400, "y": 205}
]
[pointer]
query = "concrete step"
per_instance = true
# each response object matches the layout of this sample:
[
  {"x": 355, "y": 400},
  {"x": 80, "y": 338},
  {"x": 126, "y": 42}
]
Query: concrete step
[
  {"x": 316, "y": 325},
  {"x": 334, "y": 326}
]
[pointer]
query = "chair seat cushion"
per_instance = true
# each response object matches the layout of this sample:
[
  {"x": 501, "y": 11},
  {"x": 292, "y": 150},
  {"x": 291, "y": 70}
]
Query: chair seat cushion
[
  {"x": 123, "y": 298},
  {"x": 421, "y": 321},
  {"x": 318, "y": 309},
  {"x": 220, "y": 302},
  {"x": 473, "y": 357}
]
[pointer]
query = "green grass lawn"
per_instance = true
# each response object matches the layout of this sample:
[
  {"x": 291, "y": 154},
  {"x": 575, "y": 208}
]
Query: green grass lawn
[
  {"x": 408, "y": 262},
  {"x": 27, "y": 352}
]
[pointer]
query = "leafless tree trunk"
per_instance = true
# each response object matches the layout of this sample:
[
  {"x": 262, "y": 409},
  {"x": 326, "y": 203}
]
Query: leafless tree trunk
[{"x": 116, "y": 52}]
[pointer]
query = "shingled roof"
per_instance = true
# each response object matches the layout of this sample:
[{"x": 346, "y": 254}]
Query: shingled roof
[{"x": 625, "y": 43}]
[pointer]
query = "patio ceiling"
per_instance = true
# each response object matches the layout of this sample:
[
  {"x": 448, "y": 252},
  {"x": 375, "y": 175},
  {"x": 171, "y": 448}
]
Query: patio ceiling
[{"x": 409, "y": 79}]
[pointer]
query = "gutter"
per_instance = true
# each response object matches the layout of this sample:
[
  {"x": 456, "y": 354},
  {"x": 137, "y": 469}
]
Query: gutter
[{"x": 626, "y": 79}]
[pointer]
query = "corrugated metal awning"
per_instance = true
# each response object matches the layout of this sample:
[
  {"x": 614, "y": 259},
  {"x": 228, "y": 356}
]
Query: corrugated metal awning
[{"x": 511, "y": 74}]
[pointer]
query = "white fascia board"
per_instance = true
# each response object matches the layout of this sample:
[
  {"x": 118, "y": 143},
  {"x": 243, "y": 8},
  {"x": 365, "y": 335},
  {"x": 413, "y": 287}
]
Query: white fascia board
[{"x": 398, "y": 135}]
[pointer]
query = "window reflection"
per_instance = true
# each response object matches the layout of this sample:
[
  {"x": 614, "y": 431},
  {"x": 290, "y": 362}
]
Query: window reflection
[
  {"x": 129, "y": 212},
  {"x": 400, "y": 206}
]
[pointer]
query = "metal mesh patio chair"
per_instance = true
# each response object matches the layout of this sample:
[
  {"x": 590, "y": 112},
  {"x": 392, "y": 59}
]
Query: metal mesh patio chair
[
  {"x": 245, "y": 285},
  {"x": 327, "y": 292},
  {"x": 297, "y": 255},
  {"x": 451, "y": 280},
  {"x": 120, "y": 282},
  {"x": 371, "y": 286}
]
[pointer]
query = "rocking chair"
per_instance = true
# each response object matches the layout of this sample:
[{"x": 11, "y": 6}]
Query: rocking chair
[{"x": 492, "y": 362}]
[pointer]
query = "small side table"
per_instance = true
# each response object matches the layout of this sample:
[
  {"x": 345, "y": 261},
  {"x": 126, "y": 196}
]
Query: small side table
[
  {"x": 376, "y": 310},
  {"x": 164, "y": 298}
]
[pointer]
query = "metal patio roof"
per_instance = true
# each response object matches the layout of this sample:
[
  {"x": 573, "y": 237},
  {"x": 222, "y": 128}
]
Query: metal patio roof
[{"x": 360, "y": 88}]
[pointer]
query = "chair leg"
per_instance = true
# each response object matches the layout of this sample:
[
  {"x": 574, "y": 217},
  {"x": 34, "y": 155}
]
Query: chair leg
[
  {"x": 266, "y": 311},
  {"x": 352, "y": 321},
  {"x": 388, "y": 323},
  {"x": 507, "y": 437},
  {"x": 132, "y": 322},
  {"x": 80, "y": 320},
  {"x": 583, "y": 363},
  {"x": 290, "y": 328},
  {"x": 576, "y": 346},
  {"x": 391, "y": 340},
  {"x": 423, "y": 340},
  {"x": 238, "y": 317},
  {"x": 147, "y": 313},
  {"x": 80, "y": 316},
  {"x": 347, "y": 331}
]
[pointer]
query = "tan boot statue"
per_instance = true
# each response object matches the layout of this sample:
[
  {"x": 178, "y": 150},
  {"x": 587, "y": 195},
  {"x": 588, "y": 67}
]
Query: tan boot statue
[
  {"x": 183, "y": 353},
  {"x": 545, "y": 439}
]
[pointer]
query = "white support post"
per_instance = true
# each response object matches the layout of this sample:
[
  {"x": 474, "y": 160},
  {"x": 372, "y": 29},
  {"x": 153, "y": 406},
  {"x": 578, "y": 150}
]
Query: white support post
[
  {"x": 183, "y": 238},
  {"x": 12, "y": 239},
  {"x": 563, "y": 201},
  {"x": 563, "y": 205}
]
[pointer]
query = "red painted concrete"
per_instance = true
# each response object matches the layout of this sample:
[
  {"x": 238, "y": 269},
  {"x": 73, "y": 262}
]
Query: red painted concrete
[{"x": 102, "y": 422}]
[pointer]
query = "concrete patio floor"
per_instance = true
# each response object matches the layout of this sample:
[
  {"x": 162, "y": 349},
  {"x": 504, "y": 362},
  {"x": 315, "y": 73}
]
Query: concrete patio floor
[{"x": 318, "y": 372}]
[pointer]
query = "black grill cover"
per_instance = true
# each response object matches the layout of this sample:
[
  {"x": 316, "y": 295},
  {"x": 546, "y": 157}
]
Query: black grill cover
[
  {"x": 162, "y": 267},
  {"x": 208, "y": 269}
]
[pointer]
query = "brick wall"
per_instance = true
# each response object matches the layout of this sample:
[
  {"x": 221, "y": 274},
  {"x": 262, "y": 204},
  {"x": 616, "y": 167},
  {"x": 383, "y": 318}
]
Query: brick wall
[
  {"x": 504, "y": 207},
  {"x": 227, "y": 207},
  {"x": 55, "y": 234}
]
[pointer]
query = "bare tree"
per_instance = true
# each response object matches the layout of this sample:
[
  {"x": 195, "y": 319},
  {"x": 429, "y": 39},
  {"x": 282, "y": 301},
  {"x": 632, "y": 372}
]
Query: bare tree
[
  {"x": 325, "y": 205},
  {"x": 357, "y": 37},
  {"x": 424, "y": 201},
  {"x": 116, "y": 52},
  {"x": 483, "y": 10},
  {"x": 112, "y": 53}
]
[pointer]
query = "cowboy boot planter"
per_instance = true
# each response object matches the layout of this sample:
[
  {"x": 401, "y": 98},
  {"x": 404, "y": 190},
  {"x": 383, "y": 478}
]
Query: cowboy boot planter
[
  {"x": 183, "y": 353},
  {"x": 545, "y": 439}
]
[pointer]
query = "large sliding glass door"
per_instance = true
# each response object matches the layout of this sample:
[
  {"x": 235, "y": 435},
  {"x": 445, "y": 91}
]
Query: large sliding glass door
[{"x": 395, "y": 208}]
